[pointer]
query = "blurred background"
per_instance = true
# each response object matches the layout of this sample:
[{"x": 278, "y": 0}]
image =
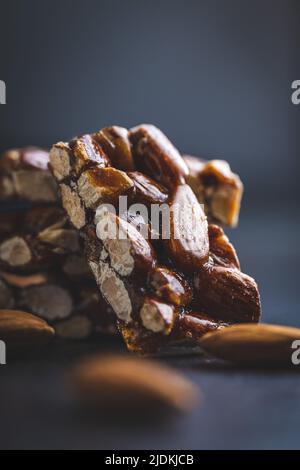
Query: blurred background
[{"x": 214, "y": 75}]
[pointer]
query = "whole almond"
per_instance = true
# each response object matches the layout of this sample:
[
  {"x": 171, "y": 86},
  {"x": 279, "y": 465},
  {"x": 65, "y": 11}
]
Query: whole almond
[
  {"x": 253, "y": 344},
  {"x": 122, "y": 384},
  {"x": 22, "y": 331}
]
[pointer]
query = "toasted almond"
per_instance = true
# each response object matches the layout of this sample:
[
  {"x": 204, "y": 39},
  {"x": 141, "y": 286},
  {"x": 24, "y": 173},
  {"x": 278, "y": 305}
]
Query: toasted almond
[
  {"x": 188, "y": 244},
  {"x": 253, "y": 344},
  {"x": 227, "y": 294},
  {"x": 157, "y": 156},
  {"x": 115, "y": 142},
  {"x": 7, "y": 298},
  {"x": 15, "y": 252},
  {"x": 128, "y": 250},
  {"x": 22, "y": 331},
  {"x": 115, "y": 383},
  {"x": 75, "y": 327}
]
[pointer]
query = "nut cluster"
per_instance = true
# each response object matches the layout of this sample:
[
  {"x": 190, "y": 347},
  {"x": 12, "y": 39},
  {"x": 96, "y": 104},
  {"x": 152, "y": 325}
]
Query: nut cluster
[
  {"x": 42, "y": 269},
  {"x": 162, "y": 290}
]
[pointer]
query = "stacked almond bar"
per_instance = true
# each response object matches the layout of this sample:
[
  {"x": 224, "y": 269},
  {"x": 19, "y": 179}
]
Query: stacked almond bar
[
  {"x": 165, "y": 283},
  {"x": 42, "y": 270}
]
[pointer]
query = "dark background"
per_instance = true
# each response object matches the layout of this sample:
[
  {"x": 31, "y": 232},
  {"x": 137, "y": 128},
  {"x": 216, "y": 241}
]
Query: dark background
[{"x": 216, "y": 76}]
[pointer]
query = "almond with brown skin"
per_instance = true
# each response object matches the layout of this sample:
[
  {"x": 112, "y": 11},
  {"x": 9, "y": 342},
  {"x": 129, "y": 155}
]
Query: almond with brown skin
[
  {"x": 221, "y": 250},
  {"x": 216, "y": 186},
  {"x": 15, "y": 252},
  {"x": 16, "y": 280},
  {"x": 119, "y": 384},
  {"x": 259, "y": 345},
  {"x": 73, "y": 206},
  {"x": 25, "y": 175},
  {"x": 22, "y": 331},
  {"x": 115, "y": 142},
  {"x": 226, "y": 294},
  {"x": 7, "y": 299},
  {"x": 147, "y": 190},
  {"x": 103, "y": 185},
  {"x": 157, "y": 316},
  {"x": 88, "y": 153},
  {"x": 188, "y": 244}
]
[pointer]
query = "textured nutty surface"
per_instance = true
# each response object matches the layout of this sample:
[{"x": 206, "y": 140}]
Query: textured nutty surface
[
  {"x": 147, "y": 190},
  {"x": 49, "y": 277},
  {"x": 161, "y": 291},
  {"x": 55, "y": 298},
  {"x": 229, "y": 293},
  {"x": 256, "y": 345},
  {"x": 188, "y": 244},
  {"x": 24, "y": 175},
  {"x": 98, "y": 185}
]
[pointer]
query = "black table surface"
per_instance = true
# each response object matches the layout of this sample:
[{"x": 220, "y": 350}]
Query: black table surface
[{"x": 240, "y": 409}]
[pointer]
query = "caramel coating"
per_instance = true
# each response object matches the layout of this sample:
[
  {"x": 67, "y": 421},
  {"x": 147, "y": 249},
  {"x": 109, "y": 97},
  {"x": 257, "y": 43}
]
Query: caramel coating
[
  {"x": 116, "y": 144},
  {"x": 176, "y": 286}
]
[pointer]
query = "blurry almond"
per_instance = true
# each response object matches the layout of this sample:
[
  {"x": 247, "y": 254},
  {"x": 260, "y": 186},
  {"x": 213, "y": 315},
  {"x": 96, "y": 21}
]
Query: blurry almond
[
  {"x": 157, "y": 157},
  {"x": 253, "y": 344},
  {"x": 22, "y": 331},
  {"x": 123, "y": 384},
  {"x": 24, "y": 281}
]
